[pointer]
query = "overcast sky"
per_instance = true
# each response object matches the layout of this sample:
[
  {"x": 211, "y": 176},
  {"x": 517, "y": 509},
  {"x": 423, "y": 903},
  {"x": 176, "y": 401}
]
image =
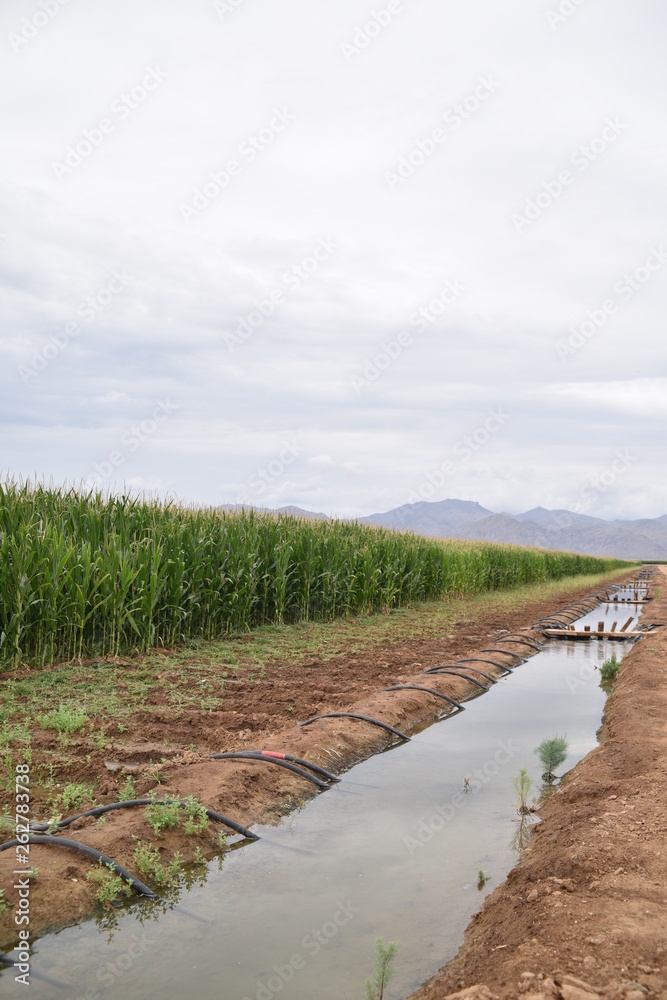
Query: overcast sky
[{"x": 432, "y": 263}]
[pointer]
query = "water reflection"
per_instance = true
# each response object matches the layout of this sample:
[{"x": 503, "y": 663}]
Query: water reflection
[{"x": 521, "y": 836}]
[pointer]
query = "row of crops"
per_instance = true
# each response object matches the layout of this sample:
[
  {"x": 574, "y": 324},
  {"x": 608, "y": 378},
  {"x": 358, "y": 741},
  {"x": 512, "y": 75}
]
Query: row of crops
[{"x": 88, "y": 574}]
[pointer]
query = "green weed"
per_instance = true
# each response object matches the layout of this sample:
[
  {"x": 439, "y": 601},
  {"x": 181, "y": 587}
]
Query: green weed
[
  {"x": 73, "y": 796},
  {"x": 110, "y": 885},
  {"x": 128, "y": 791},
  {"x": 196, "y": 820},
  {"x": 163, "y": 816},
  {"x": 609, "y": 670},
  {"x": 148, "y": 861}
]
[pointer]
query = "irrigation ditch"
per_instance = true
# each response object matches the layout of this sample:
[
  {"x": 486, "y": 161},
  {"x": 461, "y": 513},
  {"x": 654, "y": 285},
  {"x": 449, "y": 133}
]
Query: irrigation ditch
[{"x": 396, "y": 835}]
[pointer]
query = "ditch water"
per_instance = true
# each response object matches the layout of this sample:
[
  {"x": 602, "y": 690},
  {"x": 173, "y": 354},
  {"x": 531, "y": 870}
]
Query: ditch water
[{"x": 393, "y": 851}]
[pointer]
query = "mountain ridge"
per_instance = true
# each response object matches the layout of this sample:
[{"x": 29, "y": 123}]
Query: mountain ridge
[{"x": 643, "y": 538}]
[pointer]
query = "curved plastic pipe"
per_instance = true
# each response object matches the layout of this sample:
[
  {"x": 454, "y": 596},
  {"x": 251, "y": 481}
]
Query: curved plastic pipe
[
  {"x": 521, "y": 635},
  {"x": 435, "y": 670},
  {"x": 418, "y": 687},
  {"x": 128, "y": 803},
  {"x": 74, "y": 845},
  {"x": 506, "y": 652},
  {"x": 241, "y": 755},
  {"x": 493, "y": 663},
  {"x": 519, "y": 642},
  {"x": 355, "y": 715},
  {"x": 458, "y": 673},
  {"x": 322, "y": 771}
]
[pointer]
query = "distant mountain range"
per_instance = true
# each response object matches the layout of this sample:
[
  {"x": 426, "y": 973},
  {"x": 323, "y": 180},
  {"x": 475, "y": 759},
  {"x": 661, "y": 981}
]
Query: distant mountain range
[{"x": 546, "y": 529}]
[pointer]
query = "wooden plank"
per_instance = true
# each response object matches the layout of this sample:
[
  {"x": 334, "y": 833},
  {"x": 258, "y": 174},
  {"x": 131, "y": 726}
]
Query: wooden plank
[
  {"x": 629, "y": 621},
  {"x": 640, "y": 601},
  {"x": 564, "y": 633},
  {"x": 613, "y": 626},
  {"x": 600, "y": 626}
]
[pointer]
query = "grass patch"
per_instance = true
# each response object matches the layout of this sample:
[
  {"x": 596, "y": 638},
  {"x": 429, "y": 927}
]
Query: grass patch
[{"x": 67, "y": 718}]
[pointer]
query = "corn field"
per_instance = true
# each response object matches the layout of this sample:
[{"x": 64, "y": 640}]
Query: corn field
[{"x": 90, "y": 575}]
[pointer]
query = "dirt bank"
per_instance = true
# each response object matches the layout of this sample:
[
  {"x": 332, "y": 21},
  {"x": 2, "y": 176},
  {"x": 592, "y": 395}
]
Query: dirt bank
[
  {"x": 589, "y": 897},
  {"x": 166, "y": 748}
]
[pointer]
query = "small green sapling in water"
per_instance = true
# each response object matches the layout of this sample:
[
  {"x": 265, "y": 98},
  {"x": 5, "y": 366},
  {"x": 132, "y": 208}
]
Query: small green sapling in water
[
  {"x": 384, "y": 970},
  {"x": 609, "y": 669},
  {"x": 552, "y": 752},
  {"x": 522, "y": 784}
]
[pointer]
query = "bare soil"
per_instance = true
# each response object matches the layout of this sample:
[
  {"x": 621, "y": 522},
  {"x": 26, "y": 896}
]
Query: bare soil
[{"x": 264, "y": 715}]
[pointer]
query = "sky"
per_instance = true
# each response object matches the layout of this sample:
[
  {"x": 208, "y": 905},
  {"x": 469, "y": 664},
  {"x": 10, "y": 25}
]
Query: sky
[{"x": 340, "y": 255}]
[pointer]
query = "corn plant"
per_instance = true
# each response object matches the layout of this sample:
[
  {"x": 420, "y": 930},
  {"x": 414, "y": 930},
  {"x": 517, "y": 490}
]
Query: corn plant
[{"x": 89, "y": 574}]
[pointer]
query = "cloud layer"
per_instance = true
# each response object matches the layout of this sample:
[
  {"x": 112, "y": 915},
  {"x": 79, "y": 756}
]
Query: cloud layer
[{"x": 324, "y": 243}]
